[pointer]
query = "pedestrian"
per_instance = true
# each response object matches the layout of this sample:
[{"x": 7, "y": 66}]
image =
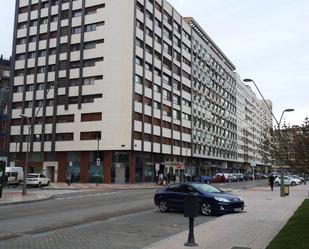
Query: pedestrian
[
  {"x": 193, "y": 178},
  {"x": 168, "y": 178},
  {"x": 6, "y": 179},
  {"x": 68, "y": 179},
  {"x": 271, "y": 182},
  {"x": 188, "y": 178},
  {"x": 174, "y": 178}
]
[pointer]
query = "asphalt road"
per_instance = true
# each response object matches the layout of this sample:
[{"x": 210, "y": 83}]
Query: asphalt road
[{"x": 75, "y": 217}]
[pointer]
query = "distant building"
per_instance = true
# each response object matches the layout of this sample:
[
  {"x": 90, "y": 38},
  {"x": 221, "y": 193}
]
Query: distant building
[
  {"x": 5, "y": 67},
  {"x": 253, "y": 120}
]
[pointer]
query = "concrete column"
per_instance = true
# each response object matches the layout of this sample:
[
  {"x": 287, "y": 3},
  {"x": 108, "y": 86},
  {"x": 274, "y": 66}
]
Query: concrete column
[
  {"x": 132, "y": 167},
  {"x": 84, "y": 161},
  {"x": 107, "y": 162},
  {"x": 62, "y": 163}
]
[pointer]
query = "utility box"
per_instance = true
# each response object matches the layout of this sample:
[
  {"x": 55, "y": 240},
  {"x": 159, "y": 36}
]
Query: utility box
[
  {"x": 191, "y": 206},
  {"x": 286, "y": 190}
]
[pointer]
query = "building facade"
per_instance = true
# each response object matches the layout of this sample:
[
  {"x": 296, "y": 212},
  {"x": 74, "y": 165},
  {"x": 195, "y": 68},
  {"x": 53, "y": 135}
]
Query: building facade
[
  {"x": 119, "y": 91},
  {"x": 5, "y": 68},
  {"x": 214, "y": 105},
  {"x": 253, "y": 120}
]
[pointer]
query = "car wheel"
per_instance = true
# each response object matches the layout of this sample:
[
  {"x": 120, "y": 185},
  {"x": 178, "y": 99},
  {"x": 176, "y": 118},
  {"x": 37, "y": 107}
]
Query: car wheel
[
  {"x": 293, "y": 183},
  {"x": 206, "y": 209},
  {"x": 277, "y": 183},
  {"x": 163, "y": 206},
  {"x": 40, "y": 185}
]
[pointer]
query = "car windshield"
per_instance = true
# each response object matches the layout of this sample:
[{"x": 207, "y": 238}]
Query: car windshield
[
  {"x": 32, "y": 176},
  {"x": 206, "y": 188}
]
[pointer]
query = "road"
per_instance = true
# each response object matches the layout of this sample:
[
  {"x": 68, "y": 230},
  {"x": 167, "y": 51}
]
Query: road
[{"x": 121, "y": 219}]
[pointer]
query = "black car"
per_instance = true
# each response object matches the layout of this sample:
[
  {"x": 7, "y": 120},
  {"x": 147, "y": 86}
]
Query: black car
[{"x": 213, "y": 201}]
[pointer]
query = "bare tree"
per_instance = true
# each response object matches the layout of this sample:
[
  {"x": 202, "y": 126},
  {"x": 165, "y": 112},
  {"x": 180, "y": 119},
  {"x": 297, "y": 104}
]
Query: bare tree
[{"x": 288, "y": 146}]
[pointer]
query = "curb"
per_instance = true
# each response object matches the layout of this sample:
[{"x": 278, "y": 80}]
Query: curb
[
  {"x": 27, "y": 201},
  {"x": 94, "y": 189}
]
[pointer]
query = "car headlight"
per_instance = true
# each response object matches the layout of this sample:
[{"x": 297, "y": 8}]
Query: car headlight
[
  {"x": 221, "y": 199},
  {"x": 240, "y": 198}
]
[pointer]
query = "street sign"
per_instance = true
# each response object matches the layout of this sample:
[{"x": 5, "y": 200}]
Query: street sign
[
  {"x": 157, "y": 166},
  {"x": 253, "y": 163},
  {"x": 98, "y": 161}
]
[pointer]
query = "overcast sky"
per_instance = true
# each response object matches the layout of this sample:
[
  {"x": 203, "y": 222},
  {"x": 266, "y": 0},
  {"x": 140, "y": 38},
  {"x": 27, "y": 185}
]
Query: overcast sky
[{"x": 267, "y": 40}]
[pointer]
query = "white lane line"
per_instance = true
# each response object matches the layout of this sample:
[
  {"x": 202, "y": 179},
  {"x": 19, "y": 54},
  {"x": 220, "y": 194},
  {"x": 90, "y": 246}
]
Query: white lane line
[{"x": 92, "y": 195}]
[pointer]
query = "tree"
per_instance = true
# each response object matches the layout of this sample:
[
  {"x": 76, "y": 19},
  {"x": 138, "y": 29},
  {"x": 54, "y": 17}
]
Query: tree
[{"x": 288, "y": 146}]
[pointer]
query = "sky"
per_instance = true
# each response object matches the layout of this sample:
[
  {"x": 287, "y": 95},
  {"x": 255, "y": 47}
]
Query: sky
[{"x": 267, "y": 41}]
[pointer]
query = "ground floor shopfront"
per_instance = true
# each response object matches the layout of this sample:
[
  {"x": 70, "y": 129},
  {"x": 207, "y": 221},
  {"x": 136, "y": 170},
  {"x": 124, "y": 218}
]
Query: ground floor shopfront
[{"x": 122, "y": 166}]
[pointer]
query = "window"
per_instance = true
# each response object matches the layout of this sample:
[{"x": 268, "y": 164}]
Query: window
[
  {"x": 87, "y": 117},
  {"x": 77, "y": 13},
  {"x": 138, "y": 79},
  {"x": 64, "y": 136},
  {"x": 76, "y": 30},
  {"x": 93, "y": 27},
  {"x": 94, "y": 135}
]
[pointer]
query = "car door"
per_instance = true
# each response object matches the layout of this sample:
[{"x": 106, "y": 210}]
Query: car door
[
  {"x": 43, "y": 179},
  {"x": 172, "y": 195},
  {"x": 186, "y": 189}
]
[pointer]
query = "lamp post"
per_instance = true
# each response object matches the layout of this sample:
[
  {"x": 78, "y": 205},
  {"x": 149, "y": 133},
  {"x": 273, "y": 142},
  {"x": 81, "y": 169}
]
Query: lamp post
[
  {"x": 278, "y": 125},
  {"x": 282, "y": 176},
  {"x": 98, "y": 159},
  {"x": 24, "y": 191}
]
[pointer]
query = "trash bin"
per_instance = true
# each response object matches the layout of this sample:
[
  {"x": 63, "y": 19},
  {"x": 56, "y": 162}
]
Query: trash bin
[{"x": 286, "y": 190}]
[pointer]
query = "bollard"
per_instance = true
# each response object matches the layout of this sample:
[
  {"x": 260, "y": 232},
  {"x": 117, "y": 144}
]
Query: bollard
[{"x": 191, "y": 210}]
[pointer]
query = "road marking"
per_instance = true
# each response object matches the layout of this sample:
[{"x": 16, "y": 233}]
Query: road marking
[
  {"x": 81, "y": 226},
  {"x": 41, "y": 234},
  {"x": 91, "y": 195}
]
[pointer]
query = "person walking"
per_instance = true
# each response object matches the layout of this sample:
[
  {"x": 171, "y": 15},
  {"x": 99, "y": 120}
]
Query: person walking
[
  {"x": 68, "y": 179},
  {"x": 168, "y": 177},
  {"x": 271, "y": 182},
  {"x": 174, "y": 178}
]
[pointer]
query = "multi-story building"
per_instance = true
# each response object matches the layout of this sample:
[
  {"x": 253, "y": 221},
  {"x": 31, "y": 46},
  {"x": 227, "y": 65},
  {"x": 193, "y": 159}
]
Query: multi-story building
[
  {"x": 253, "y": 120},
  {"x": 5, "y": 68},
  {"x": 119, "y": 91},
  {"x": 214, "y": 104}
]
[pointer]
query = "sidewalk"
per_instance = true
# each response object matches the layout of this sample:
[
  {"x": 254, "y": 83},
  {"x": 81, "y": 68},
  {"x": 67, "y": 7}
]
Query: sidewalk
[
  {"x": 266, "y": 213},
  {"x": 14, "y": 195},
  {"x": 101, "y": 186}
]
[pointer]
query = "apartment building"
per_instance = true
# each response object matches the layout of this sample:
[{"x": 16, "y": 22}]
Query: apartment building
[
  {"x": 253, "y": 118},
  {"x": 213, "y": 105},
  {"x": 5, "y": 68},
  {"x": 119, "y": 91}
]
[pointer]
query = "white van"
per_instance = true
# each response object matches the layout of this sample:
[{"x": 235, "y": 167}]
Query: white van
[{"x": 15, "y": 175}]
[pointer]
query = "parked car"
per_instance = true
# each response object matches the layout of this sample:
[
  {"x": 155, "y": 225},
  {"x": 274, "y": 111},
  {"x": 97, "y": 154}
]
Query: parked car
[
  {"x": 15, "y": 175},
  {"x": 287, "y": 181},
  {"x": 219, "y": 177},
  {"x": 248, "y": 177},
  {"x": 239, "y": 177},
  {"x": 37, "y": 180},
  {"x": 212, "y": 200},
  {"x": 206, "y": 179},
  {"x": 298, "y": 177}
]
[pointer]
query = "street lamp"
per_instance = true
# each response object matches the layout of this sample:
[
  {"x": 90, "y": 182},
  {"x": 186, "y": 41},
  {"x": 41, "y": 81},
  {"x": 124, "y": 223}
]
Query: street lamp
[
  {"x": 24, "y": 192},
  {"x": 98, "y": 160},
  {"x": 278, "y": 125},
  {"x": 282, "y": 176}
]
